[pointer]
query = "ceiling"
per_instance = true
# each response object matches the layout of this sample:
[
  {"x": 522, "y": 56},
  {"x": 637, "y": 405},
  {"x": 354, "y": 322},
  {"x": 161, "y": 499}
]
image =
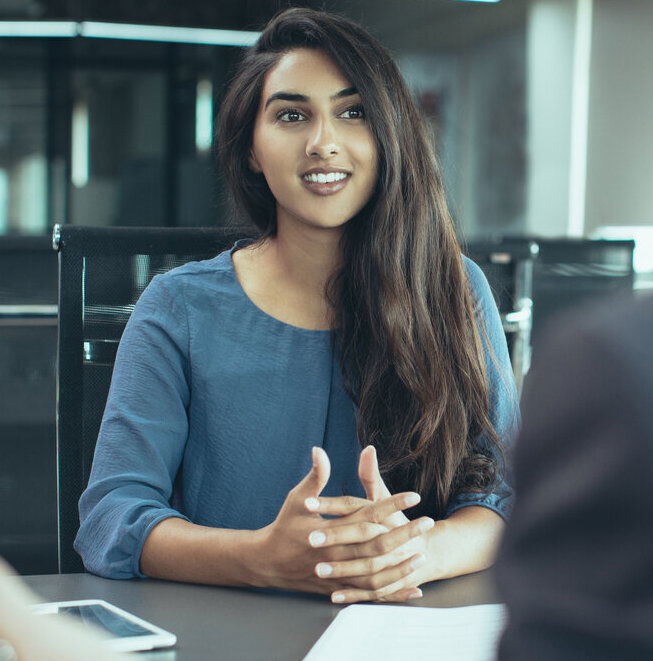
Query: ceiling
[{"x": 418, "y": 25}]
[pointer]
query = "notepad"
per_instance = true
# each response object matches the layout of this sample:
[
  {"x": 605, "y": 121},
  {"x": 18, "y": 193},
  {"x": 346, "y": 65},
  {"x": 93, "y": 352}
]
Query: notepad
[{"x": 399, "y": 633}]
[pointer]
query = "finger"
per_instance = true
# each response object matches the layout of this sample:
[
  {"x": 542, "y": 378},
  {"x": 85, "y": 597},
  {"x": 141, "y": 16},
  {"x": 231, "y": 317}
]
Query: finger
[
  {"x": 350, "y": 596},
  {"x": 377, "y": 512},
  {"x": 370, "y": 476},
  {"x": 395, "y": 538},
  {"x": 380, "y": 510},
  {"x": 376, "y": 571},
  {"x": 351, "y": 533},
  {"x": 311, "y": 486},
  {"x": 390, "y": 575},
  {"x": 390, "y": 592},
  {"x": 336, "y": 506},
  {"x": 403, "y": 595}
]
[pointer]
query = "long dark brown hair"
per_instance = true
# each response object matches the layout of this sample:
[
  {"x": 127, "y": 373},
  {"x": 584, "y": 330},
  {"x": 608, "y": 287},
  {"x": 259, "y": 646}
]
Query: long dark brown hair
[{"x": 407, "y": 335}]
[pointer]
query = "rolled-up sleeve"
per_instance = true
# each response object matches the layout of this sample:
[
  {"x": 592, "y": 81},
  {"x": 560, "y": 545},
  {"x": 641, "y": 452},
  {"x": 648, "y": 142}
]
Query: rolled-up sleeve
[
  {"x": 504, "y": 401},
  {"x": 142, "y": 436}
]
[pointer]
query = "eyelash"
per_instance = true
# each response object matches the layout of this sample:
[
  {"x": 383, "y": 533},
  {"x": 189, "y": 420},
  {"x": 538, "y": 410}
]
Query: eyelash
[{"x": 287, "y": 111}]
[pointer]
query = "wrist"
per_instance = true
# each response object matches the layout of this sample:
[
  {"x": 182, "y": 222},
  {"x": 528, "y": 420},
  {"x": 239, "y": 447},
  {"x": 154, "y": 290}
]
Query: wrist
[{"x": 251, "y": 557}]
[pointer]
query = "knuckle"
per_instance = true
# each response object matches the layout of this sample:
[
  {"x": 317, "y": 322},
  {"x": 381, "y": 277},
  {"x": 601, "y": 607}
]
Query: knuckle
[
  {"x": 356, "y": 582},
  {"x": 381, "y": 545},
  {"x": 376, "y": 514},
  {"x": 351, "y": 501},
  {"x": 380, "y": 592},
  {"x": 369, "y": 566},
  {"x": 366, "y": 529},
  {"x": 355, "y": 552}
]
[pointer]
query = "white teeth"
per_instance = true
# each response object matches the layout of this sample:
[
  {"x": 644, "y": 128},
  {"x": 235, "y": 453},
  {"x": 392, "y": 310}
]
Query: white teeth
[{"x": 321, "y": 178}]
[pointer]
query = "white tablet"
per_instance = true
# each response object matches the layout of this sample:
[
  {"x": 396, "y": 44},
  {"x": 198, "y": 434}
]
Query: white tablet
[{"x": 124, "y": 632}]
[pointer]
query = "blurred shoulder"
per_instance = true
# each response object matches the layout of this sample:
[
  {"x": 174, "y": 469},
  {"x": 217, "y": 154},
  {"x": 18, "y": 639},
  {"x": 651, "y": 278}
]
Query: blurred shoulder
[
  {"x": 618, "y": 325},
  {"x": 477, "y": 280}
]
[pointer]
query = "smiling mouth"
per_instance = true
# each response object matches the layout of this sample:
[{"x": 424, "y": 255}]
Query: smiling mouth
[{"x": 325, "y": 183}]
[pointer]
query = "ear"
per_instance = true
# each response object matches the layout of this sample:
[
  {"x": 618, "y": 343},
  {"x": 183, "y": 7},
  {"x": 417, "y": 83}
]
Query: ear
[{"x": 253, "y": 162}]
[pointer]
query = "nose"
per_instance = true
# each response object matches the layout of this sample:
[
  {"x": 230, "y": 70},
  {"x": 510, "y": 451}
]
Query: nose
[{"x": 322, "y": 141}]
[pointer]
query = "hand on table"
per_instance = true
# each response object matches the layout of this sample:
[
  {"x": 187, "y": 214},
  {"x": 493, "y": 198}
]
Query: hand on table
[
  {"x": 373, "y": 575},
  {"x": 360, "y": 545}
]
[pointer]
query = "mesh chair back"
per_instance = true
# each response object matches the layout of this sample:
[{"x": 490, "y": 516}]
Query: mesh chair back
[{"x": 102, "y": 273}]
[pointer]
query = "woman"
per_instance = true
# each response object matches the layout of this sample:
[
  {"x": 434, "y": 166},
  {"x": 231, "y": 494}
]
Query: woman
[{"x": 352, "y": 322}]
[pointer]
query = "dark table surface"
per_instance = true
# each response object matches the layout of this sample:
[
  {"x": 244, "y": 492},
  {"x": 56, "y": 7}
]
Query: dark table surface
[{"x": 237, "y": 624}]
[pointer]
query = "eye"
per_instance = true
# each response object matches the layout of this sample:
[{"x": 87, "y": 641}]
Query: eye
[
  {"x": 290, "y": 115},
  {"x": 355, "y": 112}
]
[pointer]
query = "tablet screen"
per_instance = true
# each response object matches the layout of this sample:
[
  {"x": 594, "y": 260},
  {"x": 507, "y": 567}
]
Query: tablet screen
[{"x": 99, "y": 616}]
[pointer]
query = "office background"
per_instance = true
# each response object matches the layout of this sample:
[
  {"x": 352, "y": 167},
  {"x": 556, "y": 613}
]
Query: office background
[{"x": 540, "y": 110}]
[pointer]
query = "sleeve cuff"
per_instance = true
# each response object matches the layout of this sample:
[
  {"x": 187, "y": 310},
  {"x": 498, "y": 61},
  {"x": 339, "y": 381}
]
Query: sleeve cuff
[
  {"x": 164, "y": 514},
  {"x": 501, "y": 503}
]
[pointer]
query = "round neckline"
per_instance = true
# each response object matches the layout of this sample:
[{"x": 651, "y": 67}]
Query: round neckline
[{"x": 241, "y": 243}]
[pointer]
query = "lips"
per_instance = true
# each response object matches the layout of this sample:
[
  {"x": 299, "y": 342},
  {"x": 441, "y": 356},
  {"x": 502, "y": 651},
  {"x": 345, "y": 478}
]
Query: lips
[{"x": 327, "y": 181}]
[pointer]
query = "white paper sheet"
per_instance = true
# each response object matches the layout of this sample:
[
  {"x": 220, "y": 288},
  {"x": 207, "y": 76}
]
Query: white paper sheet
[{"x": 400, "y": 633}]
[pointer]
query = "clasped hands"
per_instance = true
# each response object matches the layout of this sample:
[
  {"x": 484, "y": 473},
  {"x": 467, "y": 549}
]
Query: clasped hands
[{"x": 369, "y": 551}]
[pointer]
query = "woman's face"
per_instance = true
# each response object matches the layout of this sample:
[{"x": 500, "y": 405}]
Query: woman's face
[{"x": 312, "y": 142}]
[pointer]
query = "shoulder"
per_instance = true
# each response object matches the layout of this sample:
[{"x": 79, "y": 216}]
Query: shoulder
[
  {"x": 478, "y": 283},
  {"x": 195, "y": 279},
  {"x": 193, "y": 286},
  {"x": 198, "y": 271}
]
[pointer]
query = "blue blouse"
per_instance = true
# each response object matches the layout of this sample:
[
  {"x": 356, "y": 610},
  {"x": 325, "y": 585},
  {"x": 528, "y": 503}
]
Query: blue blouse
[{"x": 214, "y": 407}]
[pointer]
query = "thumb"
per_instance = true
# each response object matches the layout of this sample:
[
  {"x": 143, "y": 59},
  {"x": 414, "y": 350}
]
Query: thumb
[
  {"x": 370, "y": 476},
  {"x": 315, "y": 481}
]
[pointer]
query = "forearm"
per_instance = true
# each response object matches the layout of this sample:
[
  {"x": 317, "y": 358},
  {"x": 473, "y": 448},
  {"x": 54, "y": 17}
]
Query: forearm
[
  {"x": 465, "y": 542},
  {"x": 179, "y": 550}
]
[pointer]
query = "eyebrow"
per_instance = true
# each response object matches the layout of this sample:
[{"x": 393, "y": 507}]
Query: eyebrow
[{"x": 302, "y": 98}]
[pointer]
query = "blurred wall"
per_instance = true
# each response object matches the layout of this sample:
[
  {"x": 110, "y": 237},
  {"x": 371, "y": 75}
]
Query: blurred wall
[
  {"x": 620, "y": 144},
  {"x": 590, "y": 100}
]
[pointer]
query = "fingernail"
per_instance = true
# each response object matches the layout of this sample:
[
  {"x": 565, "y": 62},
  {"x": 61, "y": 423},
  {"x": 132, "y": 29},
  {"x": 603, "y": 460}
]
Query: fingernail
[
  {"x": 337, "y": 598},
  {"x": 417, "y": 562},
  {"x": 412, "y": 499},
  {"x": 314, "y": 455},
  {"x": 316, "y": 538},
  {"x": 415, "y": 594},
  {"x": 312, "y": 504},
  {"x": 426, "y": 524},
  {"x": 324, "y": 570}
]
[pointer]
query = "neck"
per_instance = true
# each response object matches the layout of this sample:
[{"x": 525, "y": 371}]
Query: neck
[{"x": 305, "y": 258}]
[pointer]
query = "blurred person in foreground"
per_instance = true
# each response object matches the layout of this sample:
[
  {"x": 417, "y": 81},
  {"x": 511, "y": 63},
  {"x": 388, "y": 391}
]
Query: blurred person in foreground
[
  {"x": 576, "y": 567},
  {"x": 25, "y": 636}
]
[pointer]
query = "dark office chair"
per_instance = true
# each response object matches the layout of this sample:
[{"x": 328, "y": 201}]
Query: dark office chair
[
  {"x": 102, "y": 272},
  {"x": 508, "y": 265}
]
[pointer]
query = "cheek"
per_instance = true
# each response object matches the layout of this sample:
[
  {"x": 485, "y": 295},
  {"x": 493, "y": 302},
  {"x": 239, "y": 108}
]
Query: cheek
[
  {"x": 367, "y": 152},
  {"x": 267, "y": 150},
  {"x": 371, "y": 156}
]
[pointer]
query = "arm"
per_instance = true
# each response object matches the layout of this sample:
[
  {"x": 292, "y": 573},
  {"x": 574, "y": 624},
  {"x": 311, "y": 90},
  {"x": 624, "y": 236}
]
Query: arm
[
  {"x": 142, "y": 437},
  {"x": 503, "y": 400}
]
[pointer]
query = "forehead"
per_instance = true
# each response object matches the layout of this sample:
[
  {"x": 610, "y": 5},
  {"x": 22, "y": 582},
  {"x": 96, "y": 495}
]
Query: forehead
[{"x": 306, "y": 71}]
